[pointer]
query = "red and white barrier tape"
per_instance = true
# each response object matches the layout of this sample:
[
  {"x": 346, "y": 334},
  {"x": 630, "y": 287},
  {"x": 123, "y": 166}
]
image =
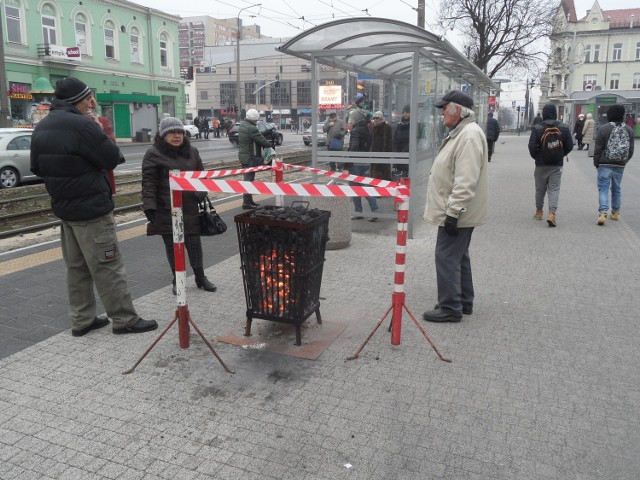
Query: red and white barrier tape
[{"x": 203, "y": 181}]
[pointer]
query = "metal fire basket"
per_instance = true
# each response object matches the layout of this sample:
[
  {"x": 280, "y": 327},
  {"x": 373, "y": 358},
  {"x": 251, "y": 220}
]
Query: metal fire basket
[{"x": 282, "y": 256}]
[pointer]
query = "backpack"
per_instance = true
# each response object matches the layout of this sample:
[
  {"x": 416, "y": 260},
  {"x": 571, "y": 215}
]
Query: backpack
[
  {"x": 551, "y": 145},
  {"x": 617, "y": 149}
]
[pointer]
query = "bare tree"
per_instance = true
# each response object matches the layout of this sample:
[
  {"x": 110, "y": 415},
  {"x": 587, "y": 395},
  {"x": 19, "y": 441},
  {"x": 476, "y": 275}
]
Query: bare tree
[{"x": 501, "y": 34}]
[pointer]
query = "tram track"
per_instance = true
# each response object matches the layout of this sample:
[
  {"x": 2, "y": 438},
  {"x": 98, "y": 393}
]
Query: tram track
[{"x": 22, "y": 214}]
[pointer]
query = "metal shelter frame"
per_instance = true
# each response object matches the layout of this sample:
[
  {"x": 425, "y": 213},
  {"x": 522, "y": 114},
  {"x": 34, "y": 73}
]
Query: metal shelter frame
[{"x": 407, "y": 58}]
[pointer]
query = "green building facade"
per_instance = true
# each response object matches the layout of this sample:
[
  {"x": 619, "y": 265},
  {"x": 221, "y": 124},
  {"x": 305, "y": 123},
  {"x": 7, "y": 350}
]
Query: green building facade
[{"x": 126, "y": 53}]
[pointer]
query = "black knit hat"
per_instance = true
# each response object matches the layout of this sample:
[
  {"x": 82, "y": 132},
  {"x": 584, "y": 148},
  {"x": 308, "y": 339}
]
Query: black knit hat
[
  {"x": 72, "y": 90},
  {"x": 615, "y": 113},
  {"x": 549, "y": 112}
]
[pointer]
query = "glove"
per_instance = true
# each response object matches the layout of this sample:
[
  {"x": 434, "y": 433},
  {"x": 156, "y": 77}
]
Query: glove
[
  {"x": 151, "y": 215},
  {"x": 451, "y": 226}
]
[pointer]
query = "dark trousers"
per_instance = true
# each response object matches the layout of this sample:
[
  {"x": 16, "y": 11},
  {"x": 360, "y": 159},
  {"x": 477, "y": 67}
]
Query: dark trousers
[
  {"x": 453, "y": 270},
  {"x": 192, "y": 244},
  {"x": 491, "y": 145},
  {"x": 247, "y": 198}
]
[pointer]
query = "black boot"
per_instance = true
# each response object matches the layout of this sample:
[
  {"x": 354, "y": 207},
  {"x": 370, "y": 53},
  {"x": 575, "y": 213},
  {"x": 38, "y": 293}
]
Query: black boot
[
  {"x": 247, "y": 202},
  {"x": 202, "y": 281}
]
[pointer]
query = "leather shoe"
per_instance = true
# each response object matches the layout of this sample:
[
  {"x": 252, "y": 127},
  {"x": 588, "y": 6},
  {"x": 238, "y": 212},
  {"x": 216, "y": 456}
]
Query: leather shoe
[
  {"x": 139, "y": 326},
  {"x": 440, "y": 316},
  {"x": 465, "y": 310},
  {"x": 97, "y": 323},
  {"x": 205, "y": 284},
  {"x": 248, "y": 206}
]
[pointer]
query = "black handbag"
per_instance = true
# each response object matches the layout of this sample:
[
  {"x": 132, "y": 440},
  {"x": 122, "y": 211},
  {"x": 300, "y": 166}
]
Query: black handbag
[{"x": 210, "y": 221}]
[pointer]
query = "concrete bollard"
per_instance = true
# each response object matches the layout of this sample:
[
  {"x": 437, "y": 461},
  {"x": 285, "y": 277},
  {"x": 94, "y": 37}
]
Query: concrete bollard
[{"x": 340, "y": 221}]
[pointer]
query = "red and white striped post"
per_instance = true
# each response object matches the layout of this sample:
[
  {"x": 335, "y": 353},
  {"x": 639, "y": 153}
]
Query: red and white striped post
[
  {"x": 180, "y": 266},
  {"x": 398, "y": 296}
]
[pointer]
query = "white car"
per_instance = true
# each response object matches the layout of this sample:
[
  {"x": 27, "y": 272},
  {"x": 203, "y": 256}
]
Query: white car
[
  {"x": 15, "y": 161},
  {"x": 191, "y": 131}
]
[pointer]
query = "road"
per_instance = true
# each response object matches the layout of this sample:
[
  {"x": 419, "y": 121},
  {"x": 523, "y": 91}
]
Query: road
[{"x": 214, "y": 149}]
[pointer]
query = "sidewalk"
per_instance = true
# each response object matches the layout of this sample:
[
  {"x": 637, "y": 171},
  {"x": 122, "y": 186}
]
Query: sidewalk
[{"x": 543, "y": 382}]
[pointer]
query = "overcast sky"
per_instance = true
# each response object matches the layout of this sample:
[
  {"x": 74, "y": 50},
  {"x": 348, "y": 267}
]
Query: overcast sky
[
  {"x": 284, "y": 18},
  {"x": 287, "y": 18}
]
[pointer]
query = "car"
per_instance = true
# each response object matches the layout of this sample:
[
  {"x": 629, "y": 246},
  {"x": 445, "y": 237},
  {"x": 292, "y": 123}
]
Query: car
[
  {"x": 191, "y": 131},
  {"x": 15, "y": 153},
  {"x": 307, "y": 135},
  {"x": 269, "y": 130}
]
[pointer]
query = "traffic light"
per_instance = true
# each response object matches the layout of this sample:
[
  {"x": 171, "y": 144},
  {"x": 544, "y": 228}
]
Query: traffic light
[
  {"x": 235, "y": 108},
  {"x": 517, "y": 109},
  {"x": 277, "y": 84}
]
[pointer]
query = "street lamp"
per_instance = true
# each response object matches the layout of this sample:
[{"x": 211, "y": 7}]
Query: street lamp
[{"x": 239, "y": 35}]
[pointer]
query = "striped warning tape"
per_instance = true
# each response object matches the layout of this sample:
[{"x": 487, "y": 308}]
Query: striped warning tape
[{"x": 204, "y": 181}]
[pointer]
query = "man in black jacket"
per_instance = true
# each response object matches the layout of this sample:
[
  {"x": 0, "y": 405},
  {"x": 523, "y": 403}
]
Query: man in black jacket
[
  {"x": 548, "y": 173},
  {"x": 73, "y": 154},
  {"x": 492, "y": 133}
]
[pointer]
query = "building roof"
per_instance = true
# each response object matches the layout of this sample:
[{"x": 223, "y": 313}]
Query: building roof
[
  {"x": 382, "y": 48},
  {"x": 569, "y": 10},
  {"x": 622, "y": 18}
]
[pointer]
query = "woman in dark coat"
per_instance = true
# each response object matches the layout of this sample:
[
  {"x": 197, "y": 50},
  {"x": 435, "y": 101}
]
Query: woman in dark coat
[{"x": 171, "y": 150}]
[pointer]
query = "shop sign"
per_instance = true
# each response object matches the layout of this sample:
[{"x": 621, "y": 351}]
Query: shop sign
[
  {"x": 167, "y": 89},
  {"x": 329, "y": 96},
  {"x": 20, "y": 91},
  {"x": 64, "y": 53}
]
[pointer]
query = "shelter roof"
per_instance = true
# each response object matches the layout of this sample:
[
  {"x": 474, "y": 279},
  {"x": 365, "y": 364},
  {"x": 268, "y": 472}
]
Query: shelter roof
[{"x": 382, "y": 48}]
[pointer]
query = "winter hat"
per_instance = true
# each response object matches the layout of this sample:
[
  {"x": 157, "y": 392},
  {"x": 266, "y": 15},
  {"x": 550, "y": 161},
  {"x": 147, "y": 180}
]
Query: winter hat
[
  {"x": 549, "y": 112},
  {"x": 72, "y": 90},
  {"x": 455, "y": 96},
  {"x": 378, "y": 114},
  {"x": 407, "y": 109},
  {"x": 170, "y": 124},
  {"x": 615, "y": 113}
]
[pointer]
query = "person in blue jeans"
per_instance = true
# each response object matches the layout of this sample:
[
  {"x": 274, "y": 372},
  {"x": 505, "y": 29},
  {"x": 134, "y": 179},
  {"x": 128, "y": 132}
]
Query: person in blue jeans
[
  {"x": 610, "y": 161},
  {"x": 360, "y": 141}
]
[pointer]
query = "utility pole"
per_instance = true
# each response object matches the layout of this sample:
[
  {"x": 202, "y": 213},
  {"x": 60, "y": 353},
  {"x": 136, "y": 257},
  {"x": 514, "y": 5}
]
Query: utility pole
[
  {"x": 5, "y": 114},
  {"x": 421, "y": 13},
  {"x": 526, "y": 106}
]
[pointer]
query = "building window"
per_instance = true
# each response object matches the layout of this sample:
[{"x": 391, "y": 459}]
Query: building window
[
  {"x": 617, "y": 52},
  {"x": 49, "y": 24},
  {"x": 109, "y": 40},
  {"x": 565, "y": 83},
  {"x": 81, "y": 33},
  {"x": 134, "y": 39},
  {"x": 227, "y": 95},
  {"x": 281, "y": 95},
  {"x": 596, "y": 53},
  {"x": 587, "y": 54},
  {"x": 255, "y": 98},
  {"x": 187, "y": 99},
  {"x": 614, "y": 83},
  {"x": 204, "y": 95},
  {"x": 637, "y": 51},
  {"x": 304, "y": 93},
  {"x": 164, "y": 57},
  {"x": 636, "y": 81},
  {"x": 14, "y": 24}
]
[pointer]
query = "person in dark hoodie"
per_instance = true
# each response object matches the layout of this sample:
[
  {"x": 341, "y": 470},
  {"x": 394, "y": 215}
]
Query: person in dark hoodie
[
  {"x": 360, "y": 141},
  {"x": 171, "y": 150},
  {"x": 73, "y": 154},
  {"x": 577, "y": 130},
  {"x": 548, "y": 173},
  {"x": 611, "y": 154},
  {"x": 401, "y": 140}
]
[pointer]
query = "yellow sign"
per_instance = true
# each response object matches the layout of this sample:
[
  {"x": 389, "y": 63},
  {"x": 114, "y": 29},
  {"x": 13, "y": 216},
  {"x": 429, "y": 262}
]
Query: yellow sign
[{"x": 22, "y": 96}]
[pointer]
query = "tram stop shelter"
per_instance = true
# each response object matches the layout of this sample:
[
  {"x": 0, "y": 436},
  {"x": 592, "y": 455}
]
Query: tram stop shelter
[{"x": 398, "y": 66}]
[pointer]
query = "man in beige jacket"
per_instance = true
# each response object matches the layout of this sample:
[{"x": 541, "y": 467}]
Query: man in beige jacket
[{"x": 457, "y": 198}]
